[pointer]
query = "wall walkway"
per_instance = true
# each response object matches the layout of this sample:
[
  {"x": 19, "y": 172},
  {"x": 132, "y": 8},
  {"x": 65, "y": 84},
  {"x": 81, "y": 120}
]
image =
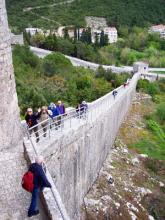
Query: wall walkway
[{"x": 75, "y": 156}]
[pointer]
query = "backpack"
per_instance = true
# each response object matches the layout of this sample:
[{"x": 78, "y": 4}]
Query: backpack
[{"x": 27, "y": 181}]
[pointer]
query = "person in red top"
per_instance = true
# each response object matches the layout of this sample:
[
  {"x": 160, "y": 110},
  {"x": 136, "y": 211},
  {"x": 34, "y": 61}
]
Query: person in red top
[{"x": 40, "y": 181}]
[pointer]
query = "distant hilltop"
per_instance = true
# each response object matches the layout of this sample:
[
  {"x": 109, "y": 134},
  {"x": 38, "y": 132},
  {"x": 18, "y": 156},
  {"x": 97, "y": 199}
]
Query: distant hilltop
[{"x": 47, "y": 14}]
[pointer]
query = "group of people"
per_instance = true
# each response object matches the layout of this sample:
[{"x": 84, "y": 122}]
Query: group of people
[{"x": 53, "y": 111}]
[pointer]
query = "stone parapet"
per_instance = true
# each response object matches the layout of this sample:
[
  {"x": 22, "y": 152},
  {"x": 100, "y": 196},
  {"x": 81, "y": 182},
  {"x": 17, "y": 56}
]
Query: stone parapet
[{"x": 50, "y": 197}]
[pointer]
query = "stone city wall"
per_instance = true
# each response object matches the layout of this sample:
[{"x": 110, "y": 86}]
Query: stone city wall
[
  {"x": 10, "y": 127},
  {"x": 75, "y": 159}
]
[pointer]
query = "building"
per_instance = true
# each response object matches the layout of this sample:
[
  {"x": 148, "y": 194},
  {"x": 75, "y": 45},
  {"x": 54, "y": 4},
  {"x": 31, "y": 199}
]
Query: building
[
  {"x": 71, "y": 29},
  {"x": 160, "y": 29},
  {"x": 17, "y": 39},
  {"x": 33, "y": 31},
  {"x": 111, "y": 32},
  {"x": 141, "y": 67}
]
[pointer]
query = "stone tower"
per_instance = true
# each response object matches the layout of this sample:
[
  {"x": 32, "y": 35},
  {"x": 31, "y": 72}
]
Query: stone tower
[{"x": 10, "y": 127}]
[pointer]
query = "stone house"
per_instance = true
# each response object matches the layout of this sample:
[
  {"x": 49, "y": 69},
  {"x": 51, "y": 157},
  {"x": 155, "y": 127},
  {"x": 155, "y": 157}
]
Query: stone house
[
  {"x": 111, "y": 32},
  {"x": 160, "y": 29}
]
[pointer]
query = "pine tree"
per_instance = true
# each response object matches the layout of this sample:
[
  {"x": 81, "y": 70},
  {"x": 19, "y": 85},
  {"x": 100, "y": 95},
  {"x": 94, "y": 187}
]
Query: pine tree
[
  {"x": 96, "y": 40},
  {"x": 78, "y": 33},
  {"x": 102, "y": 39},
  {"x": 106, "y": 40},
  {"x": 83, "y": 36},
  {"x": 88, "y": 36},
  {"x": 66, "y": 35},
  {"x": 27, "y": 37},
  {"x": 75, "y": 34}
]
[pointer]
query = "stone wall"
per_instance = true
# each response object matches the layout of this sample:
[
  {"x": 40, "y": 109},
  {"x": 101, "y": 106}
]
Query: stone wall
[
  {"x": 75, "y": 159},
  {"x": 10, "y": 128},
  {"x": 17, "y": 39}
]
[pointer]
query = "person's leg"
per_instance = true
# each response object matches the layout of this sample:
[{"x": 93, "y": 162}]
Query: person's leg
[
  {"x": 56, "y": 123},
  {"x": 34, "y": 203},
  {"x": 59, "y": 121},
  {"x": 45, "y": 130},
  {"x": 36, "y": 133},
  {"x": 62, "y": 121}
]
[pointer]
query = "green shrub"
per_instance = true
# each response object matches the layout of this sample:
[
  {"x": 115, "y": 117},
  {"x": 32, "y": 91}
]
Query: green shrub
[
  {"x": 161, "y": 112},
  {"x": 152, "y": 88},
  {"x": 155, "y": 127},
  {"x": 25, "y": 55},
  {"x": 56, "y": 63}
]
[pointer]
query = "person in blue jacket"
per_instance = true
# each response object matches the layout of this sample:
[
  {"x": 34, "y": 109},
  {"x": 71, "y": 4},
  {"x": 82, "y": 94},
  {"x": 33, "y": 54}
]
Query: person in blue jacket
[
  {"x": 40, "y": 181},
  {"x": 61, "y": 109},
  {"x": 55, "y": 112}
]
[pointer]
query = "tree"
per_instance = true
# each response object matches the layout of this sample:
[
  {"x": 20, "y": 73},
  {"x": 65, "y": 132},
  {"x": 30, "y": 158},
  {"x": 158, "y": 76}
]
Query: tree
[
  {"x": 96, "y": 40},
  {"x": 83, "y": 36},
  {"x": 102, "y": 39},
  {"x": 88, "y": 36},
  {"x": 27, "y": 37},
  {"x": 66, "y": 35},
  {"x": 106, "y": 40},
  {"x": 50, "y": 42},
  {"x": 38, "y": 40},
  {"x": 75, "y": 34},
  {"x": 56, "y": 63}
]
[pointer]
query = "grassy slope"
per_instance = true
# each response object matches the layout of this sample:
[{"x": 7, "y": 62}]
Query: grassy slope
[
  {"x": 147, "y": 132},
  {"x": 117, "y": 12}
]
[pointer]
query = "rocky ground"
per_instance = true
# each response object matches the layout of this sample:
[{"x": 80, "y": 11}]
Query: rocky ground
[{"x": 130, "y": 186}]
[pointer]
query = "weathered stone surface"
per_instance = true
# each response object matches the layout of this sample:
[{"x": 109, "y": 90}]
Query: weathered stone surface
[
  {"x": 76, "y": 157},
  {"x": 10, "y": 127}
]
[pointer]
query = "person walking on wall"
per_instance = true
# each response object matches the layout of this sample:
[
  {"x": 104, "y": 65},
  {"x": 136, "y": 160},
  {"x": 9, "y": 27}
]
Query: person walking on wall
[
  {"x": 83, "y": 109},
  {"x": 40, "y": 181},
  {"x": 31, "y": 120},
  {"x": 55, "y": 112},
  {"x": 44, "y": 115},
  {"x": 114, "y": 93},
  {"x": 61, "y": 109}
]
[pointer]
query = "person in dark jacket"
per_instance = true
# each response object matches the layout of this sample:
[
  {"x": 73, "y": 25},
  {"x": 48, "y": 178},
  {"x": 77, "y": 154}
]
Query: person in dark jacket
[
  {"x": 40, "y": 181},
  {"x": 83, "y": 109},
  {"x": 114, "y": 93},
  {"x": 31, "y": 120}
]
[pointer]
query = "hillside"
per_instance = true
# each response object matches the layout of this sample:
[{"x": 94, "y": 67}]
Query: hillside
[
  {"x": 50, "y": 14},
  {"x": 41, "y": 81},
  {"x": 131, "y": 182}
]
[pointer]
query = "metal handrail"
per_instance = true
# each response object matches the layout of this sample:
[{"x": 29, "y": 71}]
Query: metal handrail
[
  {"x": 81, "y": 115},
  {"x": 84, "y": 116},
  {"x": 61, "y": 210}
]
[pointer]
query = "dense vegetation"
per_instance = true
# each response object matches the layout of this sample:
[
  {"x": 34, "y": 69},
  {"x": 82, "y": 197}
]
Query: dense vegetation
[
  {"x": 152, "y": 142},
  {"x": 41, "y": 81},
  {"x": 132, "y": 46},
  {"x": 117, "y": 12}
]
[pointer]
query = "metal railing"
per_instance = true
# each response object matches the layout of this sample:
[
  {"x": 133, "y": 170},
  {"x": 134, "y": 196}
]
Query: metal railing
[
  {"x": 76, "y": 117},
  {"x": 51, "y": 126}
]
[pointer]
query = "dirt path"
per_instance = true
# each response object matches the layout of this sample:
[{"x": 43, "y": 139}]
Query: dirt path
[{"x": 48, "y": 6}]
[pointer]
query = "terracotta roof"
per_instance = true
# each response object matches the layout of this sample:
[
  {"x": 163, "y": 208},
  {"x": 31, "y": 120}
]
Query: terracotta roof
[{"x": 160, "y": 26}]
